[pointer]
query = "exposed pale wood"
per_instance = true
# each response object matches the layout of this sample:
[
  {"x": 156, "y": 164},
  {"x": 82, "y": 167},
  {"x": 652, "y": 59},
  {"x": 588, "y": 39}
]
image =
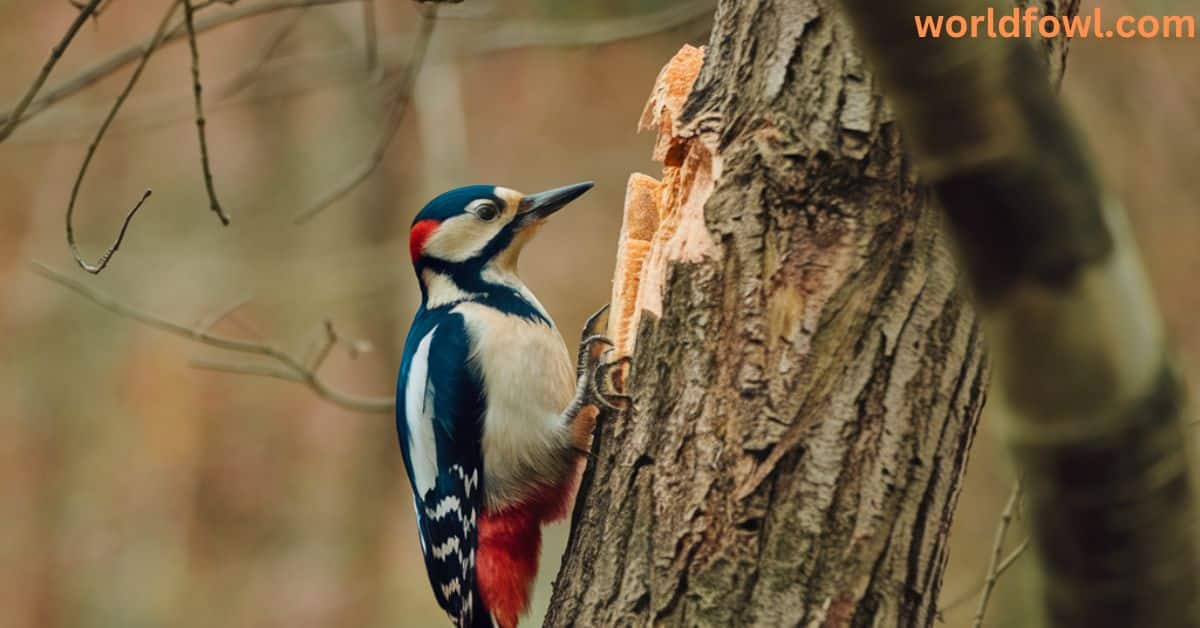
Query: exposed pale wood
[{"x": 633, "y": 246}]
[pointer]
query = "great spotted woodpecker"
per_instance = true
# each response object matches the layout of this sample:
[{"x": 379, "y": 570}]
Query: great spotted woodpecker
[{"x": 493, "y": 416}]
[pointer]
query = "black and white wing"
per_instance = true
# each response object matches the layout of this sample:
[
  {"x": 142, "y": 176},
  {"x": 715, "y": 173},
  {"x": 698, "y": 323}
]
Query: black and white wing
[{"x": 439, "y": 416}]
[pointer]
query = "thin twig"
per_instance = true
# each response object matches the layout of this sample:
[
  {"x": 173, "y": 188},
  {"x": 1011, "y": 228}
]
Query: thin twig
[
  {"x": 246, "y": 77},
  {"x": 519, "y": 33},
  {"x": 398, "y": 107},
  {"x": 969, "y": 594},
  {"x": 55, "y": 54},
  {"x": 78, "y": 4},
  {"x": 213, "y": 203},
  {"x": 327, "y": 344},
  {"x": 370, "y": 35},
  {"x": 211, "y": 321},
  {"x": 31, "y": 106},
  {"x": 246, "y": 369},
  {"x": 287, "y": 366},
  {"x": 91, "y": 152},
  {"x": 204, "y": 4},
  {"x": 102, "y": 261},
  {"x": 337, "y": 66},
  {"x": 993, "y": 573}
]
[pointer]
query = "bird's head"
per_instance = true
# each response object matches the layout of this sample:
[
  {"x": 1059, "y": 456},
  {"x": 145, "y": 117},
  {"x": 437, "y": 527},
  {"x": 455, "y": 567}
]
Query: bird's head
[{"x": 472, "y": 227}]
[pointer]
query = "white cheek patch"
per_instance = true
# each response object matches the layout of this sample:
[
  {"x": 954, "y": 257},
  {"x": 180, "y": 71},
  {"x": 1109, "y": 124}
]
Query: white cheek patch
[{"x": 461, "y": 238}]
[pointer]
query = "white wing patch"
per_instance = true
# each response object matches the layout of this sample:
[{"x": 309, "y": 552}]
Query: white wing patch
[{"x": 418, "y": 413}]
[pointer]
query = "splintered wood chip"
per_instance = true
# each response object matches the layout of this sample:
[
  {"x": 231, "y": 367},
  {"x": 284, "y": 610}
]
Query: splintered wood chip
[
  {"x": 671, "y": 91},
  {"x": 663, "y": 220}
]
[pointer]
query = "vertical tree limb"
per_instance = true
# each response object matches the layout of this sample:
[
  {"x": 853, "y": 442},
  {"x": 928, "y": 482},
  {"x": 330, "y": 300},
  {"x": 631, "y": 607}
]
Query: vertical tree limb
[{"x": 1089, "y": 400}]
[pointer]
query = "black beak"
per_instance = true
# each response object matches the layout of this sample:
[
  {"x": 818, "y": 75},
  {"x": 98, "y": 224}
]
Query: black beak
[{"x": 536, "y": 206}]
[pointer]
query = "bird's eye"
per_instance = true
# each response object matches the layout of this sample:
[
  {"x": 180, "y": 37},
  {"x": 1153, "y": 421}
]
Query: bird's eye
[{"x": 486, "y": 211}]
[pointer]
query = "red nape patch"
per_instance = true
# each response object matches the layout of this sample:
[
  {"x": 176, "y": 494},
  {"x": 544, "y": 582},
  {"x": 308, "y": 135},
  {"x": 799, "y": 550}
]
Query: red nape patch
[
  {"x": 419, "y": 234},
  {"x": 510, "y": 540}
]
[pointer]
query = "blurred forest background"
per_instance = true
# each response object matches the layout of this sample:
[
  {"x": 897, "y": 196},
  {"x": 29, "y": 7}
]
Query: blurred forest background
[{"x": 136, "y": 490}]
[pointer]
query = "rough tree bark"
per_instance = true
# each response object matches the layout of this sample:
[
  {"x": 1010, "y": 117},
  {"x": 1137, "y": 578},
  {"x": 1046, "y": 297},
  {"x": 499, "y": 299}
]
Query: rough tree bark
[{"x": 808, "y": 387}]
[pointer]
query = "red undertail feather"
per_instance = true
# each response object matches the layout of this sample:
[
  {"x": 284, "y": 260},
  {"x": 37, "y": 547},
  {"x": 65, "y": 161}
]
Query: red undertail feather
[{"x": 510, "y": 541}]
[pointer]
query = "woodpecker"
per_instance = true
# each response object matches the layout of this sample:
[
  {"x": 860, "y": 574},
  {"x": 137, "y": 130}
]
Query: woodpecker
[{"x": 494, "y": 416}]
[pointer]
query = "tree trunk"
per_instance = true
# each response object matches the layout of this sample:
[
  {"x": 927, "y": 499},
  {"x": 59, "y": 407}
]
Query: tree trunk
[{"x": 807, "y": 394}]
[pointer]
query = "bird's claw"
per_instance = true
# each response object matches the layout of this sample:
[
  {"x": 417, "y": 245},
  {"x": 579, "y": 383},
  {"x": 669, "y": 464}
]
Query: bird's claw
[
  {"x": 595, "y": 371},
  {"x": 592, "y": 326}
]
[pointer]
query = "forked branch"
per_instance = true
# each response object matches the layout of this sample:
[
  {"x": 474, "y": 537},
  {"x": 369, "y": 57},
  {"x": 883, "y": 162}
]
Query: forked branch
[
  {"x": 33, "y": 103},
  {"x": 284, "y": 365},
  {"x": 993, "y": 575}
]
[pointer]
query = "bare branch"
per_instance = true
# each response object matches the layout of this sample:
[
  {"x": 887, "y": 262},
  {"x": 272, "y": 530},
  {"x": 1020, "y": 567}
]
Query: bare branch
[
  {"x": 78, "y": 4},
  {"x": 55, "y": 54},
  {"x": 246, "y": 369},
  {"x": 207, "y": 3},
  {"x": 967, "y": 595},
  {"x": 213, "y": 204},
  {"x": 300, "y": 73},
  {"x": 287, "y": 366},
  {"x": 102, "y": 261},
  {"x": 91, "y": 152},
  {"x": 327, "y": 343},
  {"x": 512, "y": 34},
  {"x": 31, "y": 105},
  {"x": 989, "y": 583},
  {"x": 397, "y": 108}
]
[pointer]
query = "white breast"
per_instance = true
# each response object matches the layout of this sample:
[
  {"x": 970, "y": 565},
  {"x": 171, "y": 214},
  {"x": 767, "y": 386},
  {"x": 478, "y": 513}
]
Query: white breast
[{"x": 529, "y": 379}]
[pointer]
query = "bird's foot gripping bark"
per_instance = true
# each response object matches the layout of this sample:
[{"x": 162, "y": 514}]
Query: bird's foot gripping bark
[{"x": 597, "y": 389}]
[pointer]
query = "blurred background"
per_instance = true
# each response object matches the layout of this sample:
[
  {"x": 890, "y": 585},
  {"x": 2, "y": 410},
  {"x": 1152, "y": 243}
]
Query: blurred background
[{"x": 136, "y": 490}]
